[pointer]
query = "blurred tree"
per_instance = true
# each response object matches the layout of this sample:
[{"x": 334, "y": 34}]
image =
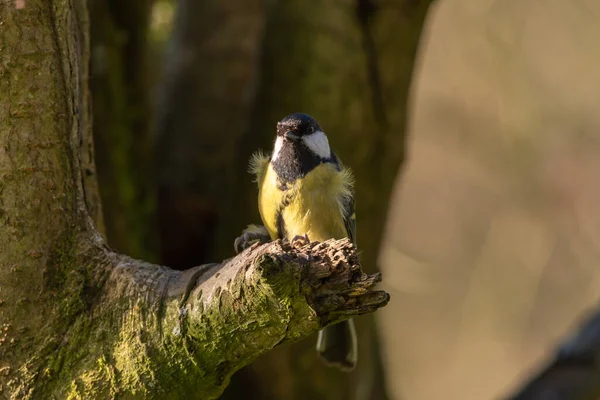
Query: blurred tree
[
  {"x": 492, "y": 240},
  {"x": 120, "y": 92},
  {"x": 210, "y": 68}
]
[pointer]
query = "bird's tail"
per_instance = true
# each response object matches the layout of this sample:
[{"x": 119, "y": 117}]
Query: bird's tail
[{"x": 337, "y": 346}]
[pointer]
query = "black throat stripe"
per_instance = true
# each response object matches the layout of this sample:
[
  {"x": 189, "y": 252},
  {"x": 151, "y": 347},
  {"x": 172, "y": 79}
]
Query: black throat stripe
[{"x": 295, "y": 161}]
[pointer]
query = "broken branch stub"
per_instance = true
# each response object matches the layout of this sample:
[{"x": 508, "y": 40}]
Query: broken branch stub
[{"x": 332, "y": 280}]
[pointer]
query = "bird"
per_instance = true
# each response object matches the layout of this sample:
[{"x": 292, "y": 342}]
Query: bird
[{"x": 304, "y": 190}]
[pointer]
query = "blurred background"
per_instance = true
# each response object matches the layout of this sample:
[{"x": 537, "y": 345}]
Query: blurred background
[{"x": 472, "y": 128}]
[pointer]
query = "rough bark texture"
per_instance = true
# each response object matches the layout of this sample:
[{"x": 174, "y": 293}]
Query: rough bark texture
[
  {"x": 154, "y": 332},
  {"x": 43, "y": 113},
  {"x": 121, "y": 107},
  {"x": 80, "y": 321}
]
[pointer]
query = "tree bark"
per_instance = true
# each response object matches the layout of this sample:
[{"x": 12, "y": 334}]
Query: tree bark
[{"x": 81, "y": 321}]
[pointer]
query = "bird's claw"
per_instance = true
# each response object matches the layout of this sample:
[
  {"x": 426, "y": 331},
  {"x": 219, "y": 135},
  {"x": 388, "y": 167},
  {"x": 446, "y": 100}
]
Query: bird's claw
[
  {"x": 251, "y": 235},
  {"x": 299, "y": 241}
]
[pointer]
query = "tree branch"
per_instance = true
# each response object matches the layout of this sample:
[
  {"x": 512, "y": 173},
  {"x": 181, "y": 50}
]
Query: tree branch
[
  {"x": 212, "y": 320},
  {"x": 574, "y": 372}
]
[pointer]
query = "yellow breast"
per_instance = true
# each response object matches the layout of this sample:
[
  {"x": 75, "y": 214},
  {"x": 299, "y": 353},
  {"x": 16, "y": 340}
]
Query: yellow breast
[{"x": 312, "y": 205}]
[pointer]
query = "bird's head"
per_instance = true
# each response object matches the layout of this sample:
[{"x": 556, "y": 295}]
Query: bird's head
[{"x": 301, "y": 133}]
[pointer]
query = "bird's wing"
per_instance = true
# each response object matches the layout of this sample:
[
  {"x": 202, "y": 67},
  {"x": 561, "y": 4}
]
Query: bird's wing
[
  {"x": 350, "y": 217},
  {"x": 347, "y": 202},
  {"x": 258, "y": 166}
]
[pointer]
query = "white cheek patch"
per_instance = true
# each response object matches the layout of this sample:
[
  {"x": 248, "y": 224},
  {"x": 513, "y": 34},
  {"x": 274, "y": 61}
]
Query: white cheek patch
[
  {"x": 318, "y": 144},
  {"x": 277, "y": 148}
]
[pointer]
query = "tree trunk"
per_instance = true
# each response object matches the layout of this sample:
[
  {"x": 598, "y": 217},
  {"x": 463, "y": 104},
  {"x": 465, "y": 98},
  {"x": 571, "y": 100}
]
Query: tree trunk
[
  {"x": 204, "y": 105},
  {"x": 119, "y": 88},
  {"x": 79, "y": 321}
]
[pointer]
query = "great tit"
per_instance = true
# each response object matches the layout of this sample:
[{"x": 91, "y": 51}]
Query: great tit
[{"x": 304, "y": 190}]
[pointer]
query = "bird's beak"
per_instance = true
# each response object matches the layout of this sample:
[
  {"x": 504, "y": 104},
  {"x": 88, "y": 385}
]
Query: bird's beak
[{"x": 291, "y": 136}]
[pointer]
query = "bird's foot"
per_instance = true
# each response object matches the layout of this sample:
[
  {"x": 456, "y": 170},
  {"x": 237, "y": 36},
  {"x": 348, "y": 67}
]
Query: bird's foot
[
  {"x": 251, "y": 235},
  {"x": 299, "y": 241}
]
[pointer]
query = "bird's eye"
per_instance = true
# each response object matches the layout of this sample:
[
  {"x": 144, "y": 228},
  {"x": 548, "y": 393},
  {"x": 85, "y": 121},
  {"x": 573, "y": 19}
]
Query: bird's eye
[{"x": 311, "y": 129}]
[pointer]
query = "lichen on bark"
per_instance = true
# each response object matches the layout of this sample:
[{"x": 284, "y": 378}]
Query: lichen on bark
[{"x": 176, "y": 339}]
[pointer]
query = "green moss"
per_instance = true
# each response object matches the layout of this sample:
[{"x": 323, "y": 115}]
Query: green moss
[
  {"x": 65, "y": 280},
  {"x": 95, "y": 384},
  {"x": 67, "y": 287}
]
